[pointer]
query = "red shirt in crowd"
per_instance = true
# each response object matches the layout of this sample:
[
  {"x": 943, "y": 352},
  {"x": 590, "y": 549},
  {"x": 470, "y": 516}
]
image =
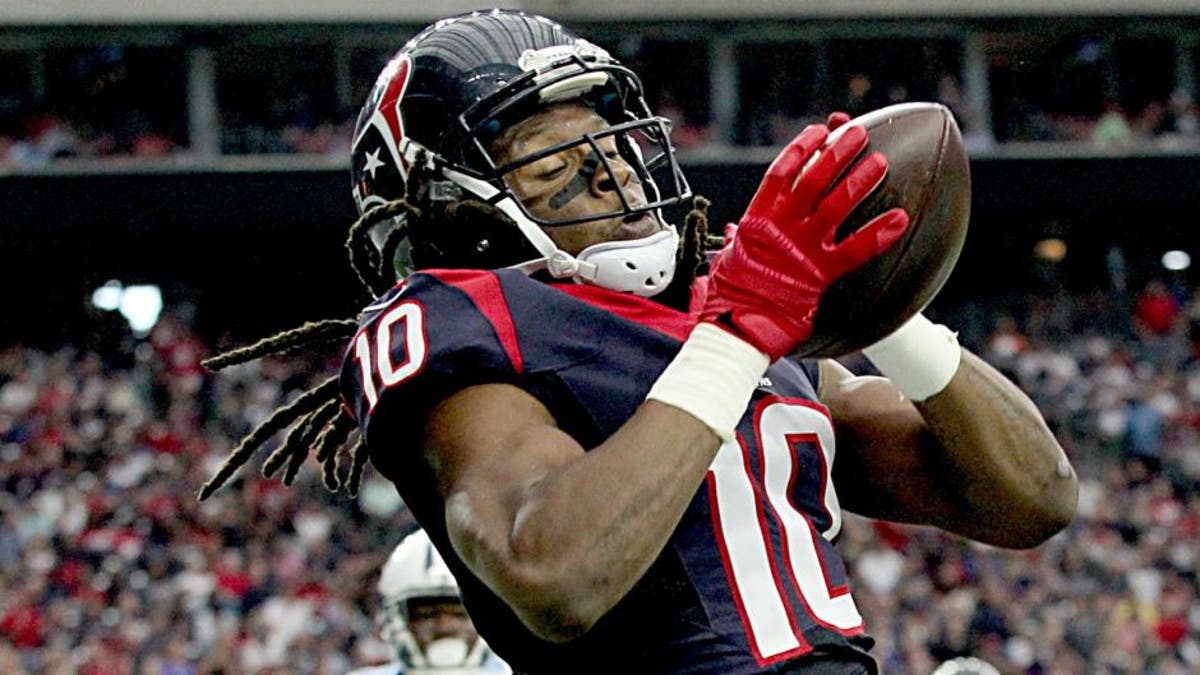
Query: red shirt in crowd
[{"x": 24, "y": 626}]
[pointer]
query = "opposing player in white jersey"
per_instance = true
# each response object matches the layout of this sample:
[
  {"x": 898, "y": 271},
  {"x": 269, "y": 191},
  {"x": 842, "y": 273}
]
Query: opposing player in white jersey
[{"x": 424, "y": 619}]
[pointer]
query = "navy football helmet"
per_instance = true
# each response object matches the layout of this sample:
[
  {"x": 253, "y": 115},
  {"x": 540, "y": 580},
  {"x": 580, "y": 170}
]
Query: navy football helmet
[{"x": 453, "y": 89}]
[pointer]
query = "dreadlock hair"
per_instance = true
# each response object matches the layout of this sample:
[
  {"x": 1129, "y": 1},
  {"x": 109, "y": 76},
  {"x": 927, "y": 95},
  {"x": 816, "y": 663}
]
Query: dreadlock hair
[
  {"x": 694, "y": 243},
  {"x": 320, "y": 420}
]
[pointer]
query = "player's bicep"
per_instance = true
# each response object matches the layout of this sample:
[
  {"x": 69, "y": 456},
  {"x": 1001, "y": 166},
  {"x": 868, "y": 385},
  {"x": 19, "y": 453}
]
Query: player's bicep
[
  {"x": 886, "y": 463},
  {"x": 489, "y": 447}
]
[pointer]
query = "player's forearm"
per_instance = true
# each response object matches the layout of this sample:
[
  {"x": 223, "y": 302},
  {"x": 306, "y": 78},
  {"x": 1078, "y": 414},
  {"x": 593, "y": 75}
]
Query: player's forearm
[
  {"x": 605, "y": 518},
  {"x": 579, "y": 537},
  {"x": 562, "y": 534},
  {"x": 1014, "y": 481},
  {"x": 608, "y": 514},
  {"x": 1006, "y": 480}
]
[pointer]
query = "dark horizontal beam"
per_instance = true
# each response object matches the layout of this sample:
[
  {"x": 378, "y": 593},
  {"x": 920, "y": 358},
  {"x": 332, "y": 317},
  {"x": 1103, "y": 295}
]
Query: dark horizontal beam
[{"x": 264, "y": 249}]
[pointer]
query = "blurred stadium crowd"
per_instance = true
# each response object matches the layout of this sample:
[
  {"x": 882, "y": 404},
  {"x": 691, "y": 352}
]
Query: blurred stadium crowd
[{"x": 109, "y": 565}]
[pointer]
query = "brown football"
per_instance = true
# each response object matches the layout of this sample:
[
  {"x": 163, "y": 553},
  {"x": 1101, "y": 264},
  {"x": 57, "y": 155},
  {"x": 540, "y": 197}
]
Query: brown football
[{"x": 928, "y": 177}]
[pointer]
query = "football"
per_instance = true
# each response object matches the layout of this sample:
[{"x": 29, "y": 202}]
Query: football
[{"x": 928, "y": 176}]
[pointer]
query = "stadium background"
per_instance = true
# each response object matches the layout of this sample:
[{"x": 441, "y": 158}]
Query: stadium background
[{"x": 202, "y": 150}]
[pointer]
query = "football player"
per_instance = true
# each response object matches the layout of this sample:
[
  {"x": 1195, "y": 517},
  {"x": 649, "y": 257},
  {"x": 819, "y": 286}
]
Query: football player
[
  {"x": 424, "y": 619},
  {"x": 611, "y": 448}
]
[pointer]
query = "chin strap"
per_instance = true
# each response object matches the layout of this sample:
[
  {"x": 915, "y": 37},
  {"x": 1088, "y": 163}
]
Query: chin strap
[{"x": 641, "y": 266}]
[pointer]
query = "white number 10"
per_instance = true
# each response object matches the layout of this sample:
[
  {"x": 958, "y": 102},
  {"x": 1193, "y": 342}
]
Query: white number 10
[
  {"x": 742, "y": 531},
  {"x": 412, "y": 318}
]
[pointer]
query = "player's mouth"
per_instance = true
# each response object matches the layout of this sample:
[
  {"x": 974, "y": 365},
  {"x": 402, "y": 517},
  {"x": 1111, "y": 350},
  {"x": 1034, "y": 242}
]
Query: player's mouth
[{"x": 638, "y": 226}]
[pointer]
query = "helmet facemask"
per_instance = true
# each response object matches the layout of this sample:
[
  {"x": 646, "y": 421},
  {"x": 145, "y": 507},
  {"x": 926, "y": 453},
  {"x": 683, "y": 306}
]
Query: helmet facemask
[
  {"x": 449, "y": 653},
  {"x": 641, "y": 139},
  {"x": 643, "y": 266}
]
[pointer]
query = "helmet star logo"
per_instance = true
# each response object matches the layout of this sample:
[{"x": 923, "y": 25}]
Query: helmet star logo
[{"x": 373, "y": 162}]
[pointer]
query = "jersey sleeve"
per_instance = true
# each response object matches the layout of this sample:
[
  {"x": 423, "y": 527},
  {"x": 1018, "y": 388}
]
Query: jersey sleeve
[
  {"x": 812, "y": 368},
  {"x": 432, "y": 335}
]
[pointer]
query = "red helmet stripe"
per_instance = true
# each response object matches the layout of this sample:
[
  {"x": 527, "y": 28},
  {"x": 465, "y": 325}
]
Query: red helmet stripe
[
  {"x": 389, "y": 109},
  {"x": 389, "y": 105}
]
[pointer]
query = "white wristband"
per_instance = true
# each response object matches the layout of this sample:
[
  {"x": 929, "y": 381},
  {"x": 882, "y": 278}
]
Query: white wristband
[
  {"x": 712, "y": 378},
  {"x": 920, "y": 357}
]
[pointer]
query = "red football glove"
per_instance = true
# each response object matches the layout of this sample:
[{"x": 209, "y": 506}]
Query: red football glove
[
  {"x": 835, "y": 120},
  {"x": 765, "y": 285}
]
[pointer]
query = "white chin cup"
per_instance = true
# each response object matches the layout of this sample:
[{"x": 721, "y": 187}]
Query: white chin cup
[
  {"x": 447, "y": 653},
  {"x": 641, "y": 266}
]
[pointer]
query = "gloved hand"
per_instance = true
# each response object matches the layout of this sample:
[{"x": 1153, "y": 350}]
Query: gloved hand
[
  {"x": 835, "y": 120},
  {"x": 765, "y": 285}
]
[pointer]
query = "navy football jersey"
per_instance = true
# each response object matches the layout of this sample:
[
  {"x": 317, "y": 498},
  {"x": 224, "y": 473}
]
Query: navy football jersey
[{"x": 749, "y": 582}]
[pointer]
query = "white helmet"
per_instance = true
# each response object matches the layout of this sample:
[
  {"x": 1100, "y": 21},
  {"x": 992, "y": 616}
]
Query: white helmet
[
  {"x": 966, "y": 665},
  {"x": 415, "y": 571}
]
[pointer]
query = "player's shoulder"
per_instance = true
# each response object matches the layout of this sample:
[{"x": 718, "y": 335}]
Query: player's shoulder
[
  {"x": 444, "y": 292},
  {"x": 440, "y": 331},
  {"x": 438, "y": 314},
  {"x": 469, "y": 281}
]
